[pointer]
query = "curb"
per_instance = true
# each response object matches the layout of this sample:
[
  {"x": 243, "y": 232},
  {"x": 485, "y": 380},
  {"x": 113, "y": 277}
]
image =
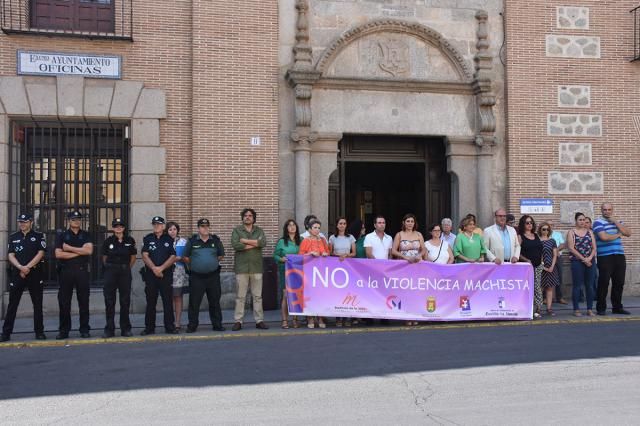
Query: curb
[{"x": 300, "y": 332}]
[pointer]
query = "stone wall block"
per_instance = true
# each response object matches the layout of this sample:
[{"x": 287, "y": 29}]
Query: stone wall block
[
  {"x": 97, "y": 98},
  {"x": 141, "y": 214},
  {"x": 144, "y": 188},
  {"x": 125, "y": 98},
  {"x": 4, "y": 138},
  {"x": 145, "y": 132},
  {"x": 574, "y": 96},
  {"x": 148, "y": 160},
  {"x": 151, "y": 104},
  {"x": 573, "y": 154},
  {"x": 42, "y": 97},
  {"x": 568, "y": 209},
  {"x": 14, "y": 96},
  {"x": 567, "y": 46},
  {"x": 574, "y": 125},
  {"x": 572, "y": 17},
  {"x": 70, "y": 96},
  {"x": 576, "y": 183}
]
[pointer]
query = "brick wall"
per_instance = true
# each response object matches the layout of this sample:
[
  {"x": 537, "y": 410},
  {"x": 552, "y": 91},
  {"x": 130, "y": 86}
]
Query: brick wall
[
  {"x": 535, "y": 69},
  {"x": 217, "y": 62}
]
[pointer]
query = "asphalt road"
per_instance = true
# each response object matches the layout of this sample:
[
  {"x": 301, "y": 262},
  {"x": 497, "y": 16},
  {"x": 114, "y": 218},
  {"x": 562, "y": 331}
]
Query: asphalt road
[{"x": 551, "y": 374}]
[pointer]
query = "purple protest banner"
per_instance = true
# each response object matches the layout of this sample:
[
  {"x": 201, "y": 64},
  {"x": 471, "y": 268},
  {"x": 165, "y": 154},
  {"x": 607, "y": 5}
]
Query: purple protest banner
[{"x": 396, "y": 289}]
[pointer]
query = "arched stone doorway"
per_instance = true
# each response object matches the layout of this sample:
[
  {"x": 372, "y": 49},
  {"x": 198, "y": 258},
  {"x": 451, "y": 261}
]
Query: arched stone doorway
[{"x": 392, "y": 78}]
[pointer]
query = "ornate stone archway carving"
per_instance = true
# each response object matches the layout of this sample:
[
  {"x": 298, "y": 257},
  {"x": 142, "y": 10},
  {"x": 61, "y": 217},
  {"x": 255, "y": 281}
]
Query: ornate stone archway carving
[{"x": 415, "y": 29}]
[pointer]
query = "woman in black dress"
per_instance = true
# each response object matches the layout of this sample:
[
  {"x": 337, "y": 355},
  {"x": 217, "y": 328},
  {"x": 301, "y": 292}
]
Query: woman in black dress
[
  {"x": 531, "y": 251},
  {"x": 550, "y": 278}
]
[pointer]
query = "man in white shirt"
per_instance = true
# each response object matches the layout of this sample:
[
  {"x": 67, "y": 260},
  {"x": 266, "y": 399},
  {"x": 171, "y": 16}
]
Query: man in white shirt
[
  {"x": 501, "y": 240},
  {"x": 447, "y": 235},
  {"x": 378, "y": 244}
]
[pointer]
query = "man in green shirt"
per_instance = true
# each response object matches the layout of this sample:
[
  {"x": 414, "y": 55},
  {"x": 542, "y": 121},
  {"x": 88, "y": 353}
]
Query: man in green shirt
[{"x": 247, "y": 241}]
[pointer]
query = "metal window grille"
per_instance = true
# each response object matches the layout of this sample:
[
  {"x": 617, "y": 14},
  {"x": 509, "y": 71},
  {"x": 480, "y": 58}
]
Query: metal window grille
[
  {"x": 636, "y": 33},
  {"x": 111, "y": 19},
  {"x": 60, "y": 167}
]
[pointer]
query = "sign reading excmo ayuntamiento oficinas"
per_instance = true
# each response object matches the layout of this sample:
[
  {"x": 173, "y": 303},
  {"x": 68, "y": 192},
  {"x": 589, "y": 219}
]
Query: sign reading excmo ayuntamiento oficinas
[{"x": 48, "y": 63}]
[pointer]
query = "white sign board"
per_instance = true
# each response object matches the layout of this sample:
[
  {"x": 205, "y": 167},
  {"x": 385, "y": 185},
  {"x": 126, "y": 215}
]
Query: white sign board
[
  {"x": 536, "y": 205},
  {"x": 48, "y": 63}
]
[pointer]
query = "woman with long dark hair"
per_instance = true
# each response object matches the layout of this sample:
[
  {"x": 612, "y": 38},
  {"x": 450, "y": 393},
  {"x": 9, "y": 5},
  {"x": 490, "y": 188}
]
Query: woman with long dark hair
[
  {"x": 342, "y": 245},
  {"x": 582, "y": 245},
  {"x": 288, "y": 244},
  {"x": 180, "y": 284},
  {"x": 531, "y": 251}
]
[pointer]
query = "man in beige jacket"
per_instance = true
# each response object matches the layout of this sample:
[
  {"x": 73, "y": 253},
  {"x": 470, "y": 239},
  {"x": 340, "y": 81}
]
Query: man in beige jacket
[{"x": 501, "y": 240}]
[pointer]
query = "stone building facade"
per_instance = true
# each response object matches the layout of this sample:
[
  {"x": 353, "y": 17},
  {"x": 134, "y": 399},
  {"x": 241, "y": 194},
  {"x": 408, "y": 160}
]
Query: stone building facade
[
  {"x": 573, "y": 126},
  {"x": 332, "y": 107}
]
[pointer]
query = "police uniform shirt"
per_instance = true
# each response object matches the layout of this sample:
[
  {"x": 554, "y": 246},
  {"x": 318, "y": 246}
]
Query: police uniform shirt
[
  {"x": 204, "y": 255},
  {"x": 159, "y": 249},
  {"x": 119, "y": 252},
  {"x": 26, "y": 247},
  {"x": 74, "y": 240}
]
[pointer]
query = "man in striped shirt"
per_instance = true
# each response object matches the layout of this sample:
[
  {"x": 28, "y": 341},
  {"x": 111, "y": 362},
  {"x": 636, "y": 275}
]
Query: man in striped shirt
[{"x": 611, "y": 261}]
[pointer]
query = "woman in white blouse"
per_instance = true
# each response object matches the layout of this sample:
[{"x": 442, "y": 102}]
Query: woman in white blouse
[{"x": 437, "y": 250}]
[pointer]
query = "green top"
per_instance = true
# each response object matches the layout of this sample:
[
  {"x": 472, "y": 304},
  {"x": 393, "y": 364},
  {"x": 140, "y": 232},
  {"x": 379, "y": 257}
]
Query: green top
[
  {"x": 248, "y": 261},
  {"x": 471, "y": 248},
  {"x": 280, "y": 252},
  {"x": 361, "y": 253}
]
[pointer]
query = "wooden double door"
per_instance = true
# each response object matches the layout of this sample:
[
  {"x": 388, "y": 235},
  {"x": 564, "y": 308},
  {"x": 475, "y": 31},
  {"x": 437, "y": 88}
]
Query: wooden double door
[{"x": 392, "y": 176}]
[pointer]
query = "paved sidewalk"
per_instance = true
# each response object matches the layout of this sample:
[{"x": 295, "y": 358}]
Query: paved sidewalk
[{"x": 23, "y": 331}]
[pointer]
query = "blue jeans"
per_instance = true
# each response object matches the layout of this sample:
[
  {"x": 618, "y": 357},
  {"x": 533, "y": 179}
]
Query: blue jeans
[{"x": 583, "y": 276}]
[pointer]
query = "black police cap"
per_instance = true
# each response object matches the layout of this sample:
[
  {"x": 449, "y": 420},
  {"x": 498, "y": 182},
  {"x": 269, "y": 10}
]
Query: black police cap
[
  {"x": 74, "y": 215},
  {"x": 117, "y": 222},
  {"x": 203, "y": 222},
  {"x": 158, "y": 219},
  {"x": 25, "y": 217}
]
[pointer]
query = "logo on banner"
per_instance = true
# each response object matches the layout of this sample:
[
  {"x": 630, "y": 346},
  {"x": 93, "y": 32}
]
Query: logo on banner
[
  {"x": 394, "y": 303},
  {"x": 350, "y": 300},
  {"x": 465, "y": 303},
  {"x": 431, "y": 304},
  {"x": 502, "y": 304}
]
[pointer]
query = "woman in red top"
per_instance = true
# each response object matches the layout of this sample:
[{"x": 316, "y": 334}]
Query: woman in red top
[{"x": 314, "y": 245}]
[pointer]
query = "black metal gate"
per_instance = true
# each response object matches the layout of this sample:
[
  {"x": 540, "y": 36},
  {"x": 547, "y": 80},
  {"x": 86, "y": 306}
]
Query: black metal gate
[{"x": 57, "y": 167}]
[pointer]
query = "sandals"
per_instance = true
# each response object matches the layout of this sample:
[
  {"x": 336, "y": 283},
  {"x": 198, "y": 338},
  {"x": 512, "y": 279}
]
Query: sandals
[
  {"x": 339, "y": 323},
  {"x": 577, "y": 313},
  {"x": 296, "y": 324},
  {"x": 590, "y": 313},
  {"x": 551, "y": 313},
  {"x": 285, "y": 324}
]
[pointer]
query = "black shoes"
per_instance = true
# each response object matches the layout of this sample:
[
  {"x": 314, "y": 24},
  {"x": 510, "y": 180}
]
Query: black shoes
[
  {"x": 108, "y": 334},
  {"x": 85, "y": 335},
  {"x": 126, "y": 333},
  {"x": 219, "y": 328},
  {"x": 5, "y": 337},
  {"x": 237, "y": 326},
  {"x": 191, "y": 329},
  {"x": 147, "y": 332},
  {"x": 62, "y": 335},
  {"x": 601, "y": 313},
  {"x": 172, "y": 331},
  {"x": 621, "y": 311},
  {"x": 41, "y": 336},
  {"x": 262, "y": 326}
]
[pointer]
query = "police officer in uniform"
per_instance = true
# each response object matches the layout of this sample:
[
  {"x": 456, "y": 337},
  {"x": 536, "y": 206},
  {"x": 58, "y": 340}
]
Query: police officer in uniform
[
  {"x": 203, "y": 253},
  {"x": 73, "y": 250},
  {"x": 118, "y": 256},
  {"x": 26, "y": 252},
  {"x": 158, "y": 255}
]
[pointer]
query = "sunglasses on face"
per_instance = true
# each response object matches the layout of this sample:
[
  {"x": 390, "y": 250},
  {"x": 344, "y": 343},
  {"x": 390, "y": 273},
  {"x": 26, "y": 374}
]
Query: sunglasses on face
[
  {"x": 528, "y": 223},
  {"x": 545, "y": 229}
]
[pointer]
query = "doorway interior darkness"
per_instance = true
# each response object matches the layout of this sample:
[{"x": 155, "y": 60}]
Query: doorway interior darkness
[{"x": 392, "y": 176}]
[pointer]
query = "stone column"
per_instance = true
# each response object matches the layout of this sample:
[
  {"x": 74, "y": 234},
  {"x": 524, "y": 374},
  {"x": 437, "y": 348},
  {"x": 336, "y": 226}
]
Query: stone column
[
  {"x": 324, "y": 156},
  {"x": 484, "y": 186},
  {"x": 462, "y": 162},
  {"x": 302, "y": 151},
  {"x": 301, "y": 77}
]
